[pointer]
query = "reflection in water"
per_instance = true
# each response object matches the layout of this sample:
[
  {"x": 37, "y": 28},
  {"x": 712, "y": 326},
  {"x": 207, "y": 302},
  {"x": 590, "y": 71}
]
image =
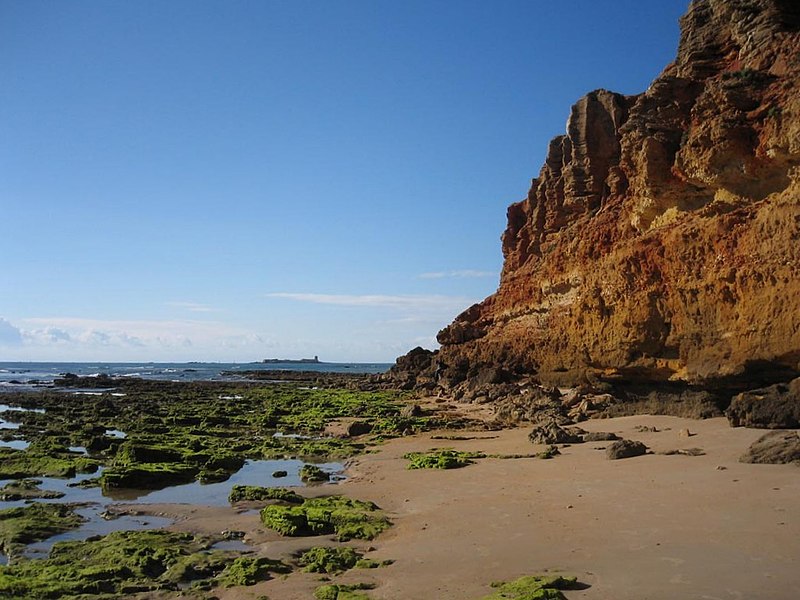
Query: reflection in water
[
  {"x": 96, "y": 525},
  {"x": 95, "y": 500},
  {"x": 15, "y": 444},
  {"x": 11, "y": 425},
  {"x": 254, "y": 472},
  {"x": 4, "y": 407}
]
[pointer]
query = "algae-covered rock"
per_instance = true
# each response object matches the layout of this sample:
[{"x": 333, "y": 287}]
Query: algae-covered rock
[
  {"x": 18, "y": 464},
  {"x": 127, "y": 562},
  {"x": 240, "y": 493},
  {"x": 329, "y": 447},
  {"x": 532, "y": 587},
  {"x": 441, "y": 458},
  {"x": 148, "y": 476},
  {"x": 26, "y": 489},
  {"x": 313, "y": 474},
  {"x": 288, "y": 520},
  {"x": 27, "y": 524},
  {"x": 249, "y": 570},
  {"x": 325, "y": 559},
  {"x": 548, "y": 453},
  {"x": 345, "y": 517},
  {"x": 131, "y": 452},
  {"x": 342, "y": 592}
]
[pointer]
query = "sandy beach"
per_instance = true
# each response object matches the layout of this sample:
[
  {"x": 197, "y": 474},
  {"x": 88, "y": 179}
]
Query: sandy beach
[{"x": 653, "y": 527}]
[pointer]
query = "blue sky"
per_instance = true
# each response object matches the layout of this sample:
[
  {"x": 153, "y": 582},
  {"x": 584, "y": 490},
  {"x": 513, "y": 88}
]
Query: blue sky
[{"x": 229, "y": 181}]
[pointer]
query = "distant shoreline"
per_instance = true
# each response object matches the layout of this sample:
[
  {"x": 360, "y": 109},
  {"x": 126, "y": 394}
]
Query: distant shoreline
[{"x": 297, "y": 361}]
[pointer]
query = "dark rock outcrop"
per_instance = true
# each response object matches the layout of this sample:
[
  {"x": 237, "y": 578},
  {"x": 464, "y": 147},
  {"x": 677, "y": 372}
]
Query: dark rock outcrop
[
  {"x": 773, "y": 407},
  {"x": 414, "y": 370},
  {"x": 625, "y": 449},
  {"x": 550, "y": 432}
]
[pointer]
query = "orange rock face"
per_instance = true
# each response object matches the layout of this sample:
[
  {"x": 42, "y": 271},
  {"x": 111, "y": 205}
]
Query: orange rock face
[{"x": 661, "y": 240}]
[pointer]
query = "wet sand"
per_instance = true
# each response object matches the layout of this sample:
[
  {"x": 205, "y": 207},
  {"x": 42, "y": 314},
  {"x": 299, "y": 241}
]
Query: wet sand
[{"x": 652, "y": 527}]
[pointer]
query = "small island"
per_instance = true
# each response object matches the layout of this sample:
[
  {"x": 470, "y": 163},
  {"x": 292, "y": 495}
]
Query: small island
[{"x": 301, "y": 361}]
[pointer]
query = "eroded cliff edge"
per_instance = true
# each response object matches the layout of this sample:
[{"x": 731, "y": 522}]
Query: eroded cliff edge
[{"x": 661, "y": 240}]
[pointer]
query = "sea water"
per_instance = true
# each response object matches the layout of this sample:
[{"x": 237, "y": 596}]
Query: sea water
[{"x": 17, "y": 375}]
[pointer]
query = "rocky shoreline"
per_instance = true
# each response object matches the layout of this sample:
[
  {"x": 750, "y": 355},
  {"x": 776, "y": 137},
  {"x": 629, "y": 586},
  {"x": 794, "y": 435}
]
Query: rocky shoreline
[{"x": 421, "y": 470}]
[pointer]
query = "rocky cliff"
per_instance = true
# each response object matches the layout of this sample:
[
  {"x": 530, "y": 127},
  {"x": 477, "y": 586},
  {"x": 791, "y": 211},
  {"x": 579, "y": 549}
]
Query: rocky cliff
[{"x": 661, "y": 240}]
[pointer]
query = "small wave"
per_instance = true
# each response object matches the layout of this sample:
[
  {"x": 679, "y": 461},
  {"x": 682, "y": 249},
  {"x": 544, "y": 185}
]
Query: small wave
[{"x": 4, "y": 407}]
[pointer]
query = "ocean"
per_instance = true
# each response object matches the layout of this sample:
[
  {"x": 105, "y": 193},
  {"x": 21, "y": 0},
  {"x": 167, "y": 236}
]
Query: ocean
[{"x": 17, "y": 375}]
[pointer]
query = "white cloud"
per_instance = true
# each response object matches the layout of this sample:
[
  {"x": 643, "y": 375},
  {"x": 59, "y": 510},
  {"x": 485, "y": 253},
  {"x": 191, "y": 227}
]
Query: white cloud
[
  {"x": 9, "y": 334},
  {"x": 458, "y": 274},
  {"x": 89, "y": 339}
]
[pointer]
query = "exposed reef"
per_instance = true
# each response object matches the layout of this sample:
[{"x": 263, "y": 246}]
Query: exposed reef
[{"x": 660, "y": 245}]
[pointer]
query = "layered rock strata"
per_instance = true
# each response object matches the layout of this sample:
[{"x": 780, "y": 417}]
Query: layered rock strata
[{"x": 661, "y": 240}]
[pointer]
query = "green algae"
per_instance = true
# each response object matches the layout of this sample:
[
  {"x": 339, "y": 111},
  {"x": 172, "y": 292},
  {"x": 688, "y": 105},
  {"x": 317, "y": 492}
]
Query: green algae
[
  {"x": 346, "y": 517},
  {"x": 324, "y": 559},
  {"x": 24, "y": 525},
  {"x": 142, "y": 464},
  {"x": 342, "y": 592},
  {"x": 127, "y": 562},
  {"x": 548, "y": 453},
  {"x": 148, "y": 476},
  {"x": 19, "y": 464},
  {"x": 368, "y": 563},
  {"x": 256, "y": 493},
  {"x": 197, "y": 430},
  {"x": 532, "y": 587},
  {"x": 327, "y": 447},
  {"x": 249, "y": 570},
  {"x": 313, "y": 474},
  {"x": 441, "y": 458}
]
